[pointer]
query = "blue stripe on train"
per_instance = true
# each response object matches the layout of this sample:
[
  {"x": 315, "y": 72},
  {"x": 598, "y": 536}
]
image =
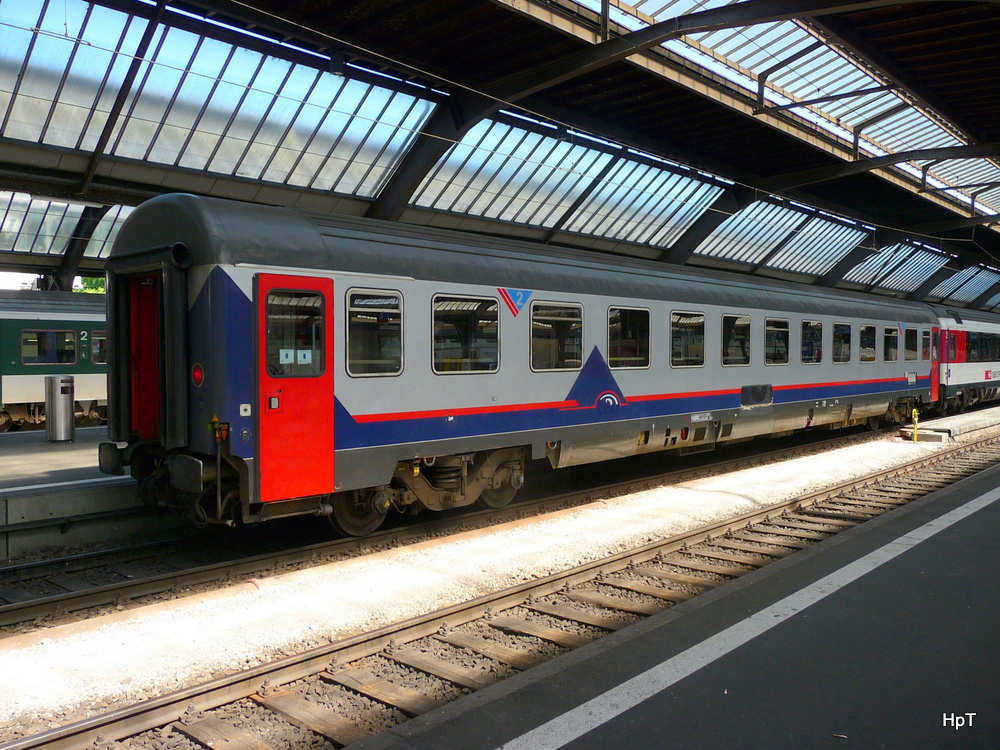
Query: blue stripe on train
[{"x": 600, "y": 400}]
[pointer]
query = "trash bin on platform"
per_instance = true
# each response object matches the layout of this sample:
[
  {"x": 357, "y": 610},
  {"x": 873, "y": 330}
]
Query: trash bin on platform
[{"x": 60, "y": 402}]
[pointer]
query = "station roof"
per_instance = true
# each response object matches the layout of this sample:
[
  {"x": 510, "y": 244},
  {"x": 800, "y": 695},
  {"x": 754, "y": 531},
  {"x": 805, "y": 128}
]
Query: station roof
[{"x": 849, "y": 144}]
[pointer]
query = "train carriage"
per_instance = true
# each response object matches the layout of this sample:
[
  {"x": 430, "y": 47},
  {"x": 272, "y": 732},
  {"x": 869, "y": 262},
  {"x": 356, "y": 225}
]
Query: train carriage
[
  {"x": 270, "y": 362},
  {"x": 51, "y": 333},
  {"x": 969, "y": 368}
]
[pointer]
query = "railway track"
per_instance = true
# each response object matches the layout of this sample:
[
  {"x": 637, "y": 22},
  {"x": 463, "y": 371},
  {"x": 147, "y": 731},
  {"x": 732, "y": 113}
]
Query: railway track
[
  {"x": 347, "y": 690},
  {"x": 61, "y": 589}
]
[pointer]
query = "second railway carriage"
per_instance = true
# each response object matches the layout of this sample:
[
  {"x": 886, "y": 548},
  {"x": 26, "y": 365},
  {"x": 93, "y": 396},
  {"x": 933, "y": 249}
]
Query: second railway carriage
[
  {"x": 969, "y": 369},
  {"x": 50, "y": 333},
  {"x": 270, "y": 362}
]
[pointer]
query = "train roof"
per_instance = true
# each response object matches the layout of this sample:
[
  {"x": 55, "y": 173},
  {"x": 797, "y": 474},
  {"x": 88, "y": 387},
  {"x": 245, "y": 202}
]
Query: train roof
[
  {"x": 31, "y": 303},
  {"x": 217, "y": 231},
  {"x": 962, "y": 315}
]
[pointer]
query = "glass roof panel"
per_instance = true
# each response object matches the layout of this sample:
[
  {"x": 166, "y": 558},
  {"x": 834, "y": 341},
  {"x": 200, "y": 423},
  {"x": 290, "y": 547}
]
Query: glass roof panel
[
  {"x": 644, "y": 204},
  {"x": 817, "y": 247},
  {"x": 750, "y": 234},
  {"x": 741, "y": 55},
  {"x": 16, "y": 20},
  {"x": 85, "y": 79},
  {"x": 900, "y": 268},
  {"x": 966, "y": 285},
  {"x": 104, "y": 235},
  {"x": 157, "y": 83},
  {"x": 48, "y": 55},
  {"x": 114, "y": 77},
  {"x": 509, "y": 173},
  {"x": 36, "y": 226},
  {"x": 197, "y": 103}
]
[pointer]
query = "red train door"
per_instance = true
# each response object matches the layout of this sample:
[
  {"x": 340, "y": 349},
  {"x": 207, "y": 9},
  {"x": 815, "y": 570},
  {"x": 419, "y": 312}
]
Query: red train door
[
  {"x": 294, "y": 386},
  {"x": 935, "y": 365},
  {"x": 144, "y": 355}
]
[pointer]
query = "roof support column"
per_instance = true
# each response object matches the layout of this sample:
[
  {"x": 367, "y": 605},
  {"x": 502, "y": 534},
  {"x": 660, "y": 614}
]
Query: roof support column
[{"x": 70, "y": 265}]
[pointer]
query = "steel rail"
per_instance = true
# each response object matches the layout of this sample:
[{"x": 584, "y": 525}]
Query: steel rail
[
  {"x": 157, "y": 712},
  {"x": 122, "y": 591}
]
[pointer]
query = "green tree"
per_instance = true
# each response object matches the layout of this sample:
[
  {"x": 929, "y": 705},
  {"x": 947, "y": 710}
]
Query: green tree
[{"x": 93, "y": 284}]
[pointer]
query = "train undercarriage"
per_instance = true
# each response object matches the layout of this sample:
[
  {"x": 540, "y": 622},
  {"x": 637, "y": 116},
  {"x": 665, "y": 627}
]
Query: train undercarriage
[
  {"x": 166, "y": 480},
  {"x": 32, "y": 416}
]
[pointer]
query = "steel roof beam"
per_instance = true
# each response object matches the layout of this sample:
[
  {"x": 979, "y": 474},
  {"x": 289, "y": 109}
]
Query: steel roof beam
[
  {"x": 874, "y": 120},
  {"x": 951, "y": 225},
  {"x": 449, "y": 124},
  {"x": 77, "y": 246},
  {"x": 123, "y": 94},
  {"x": 806, "y": 177},
  {"x": 823, "y": 99}
]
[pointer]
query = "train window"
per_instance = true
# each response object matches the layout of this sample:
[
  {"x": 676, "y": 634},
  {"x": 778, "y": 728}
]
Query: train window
[
  {"x": 867, "y": 340},
  {"x": 466, "y": 334},
  {"x": 971, "y": 346},
  {"x": 556, "y": 336},
  {"x": 294, "y": 334},
  {"x": 374, "y": 333},
  {"x": 775, "y": 342},
  {"x": 925, "y": 344},
  {"x": 687, "y": 339},
  {"x": 910, "y": 342},
  {"x": 890, "y": 345},
  {"x": 735, "y": 340},
  {"x": 48, "y": 347},
  {"x": 982, "y": 347},
  {"x": 99, "y": 347},
  {"x": 841, "y": 342},
  {"x": 812, "y": 342},
  {"x": 992, "y": 350},
  {"x": 628, "y": 338}
]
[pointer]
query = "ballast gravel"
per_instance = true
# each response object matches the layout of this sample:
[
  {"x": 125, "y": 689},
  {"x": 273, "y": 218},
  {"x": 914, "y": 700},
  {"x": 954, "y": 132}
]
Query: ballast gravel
[{"x": 71, "y": 671}]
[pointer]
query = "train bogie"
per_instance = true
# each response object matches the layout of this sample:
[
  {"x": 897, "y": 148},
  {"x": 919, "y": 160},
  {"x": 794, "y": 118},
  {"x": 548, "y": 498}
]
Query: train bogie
[{"x": 268, "y": 362}]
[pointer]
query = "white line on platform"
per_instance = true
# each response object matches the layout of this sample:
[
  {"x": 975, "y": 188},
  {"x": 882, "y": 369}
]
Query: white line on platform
[
  {"x": 573, "y": 724},
  {"x": 57, "y": 485}
]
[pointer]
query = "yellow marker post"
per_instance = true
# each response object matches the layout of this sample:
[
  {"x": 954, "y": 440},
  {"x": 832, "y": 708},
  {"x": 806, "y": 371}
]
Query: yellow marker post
[{"x": 916, "y": 421}]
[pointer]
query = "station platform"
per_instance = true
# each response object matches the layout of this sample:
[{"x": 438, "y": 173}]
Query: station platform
[
  {"x": 54, "y": 494},
  {"x": 945, "y": 429},
  {"x": 885, "y": 636},
  {"x": 27, "y": 459}
]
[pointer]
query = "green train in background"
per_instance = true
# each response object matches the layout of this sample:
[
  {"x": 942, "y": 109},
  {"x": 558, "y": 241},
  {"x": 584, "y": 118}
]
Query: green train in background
[{"x": 51, "y": 333}]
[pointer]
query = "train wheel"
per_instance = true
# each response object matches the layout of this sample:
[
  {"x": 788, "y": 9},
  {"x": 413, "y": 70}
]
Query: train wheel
[
  {"x": 5, "y": 421},
  {"x": 873, "y": 423},
  {"x": 496, "y": 498},
  {"x": 356, "y": 516}
]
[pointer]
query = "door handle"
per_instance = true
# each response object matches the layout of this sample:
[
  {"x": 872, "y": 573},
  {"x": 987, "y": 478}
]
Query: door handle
[{"x": 273, "y": 403}]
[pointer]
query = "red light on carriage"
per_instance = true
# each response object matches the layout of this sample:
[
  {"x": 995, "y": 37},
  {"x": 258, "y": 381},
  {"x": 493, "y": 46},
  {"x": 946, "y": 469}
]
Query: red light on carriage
[
  {"x": 197, "y": 374},
  {"x": 684, "y": 433}
]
